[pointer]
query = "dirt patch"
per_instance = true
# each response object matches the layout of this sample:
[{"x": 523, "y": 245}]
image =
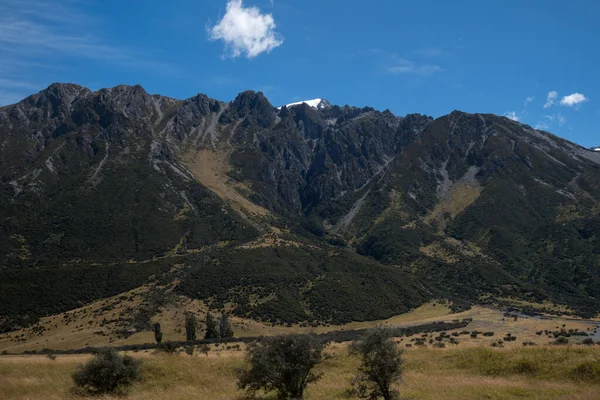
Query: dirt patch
[
  {"x": 211, "y": 169},
  {"x": 458, "y": 198}
]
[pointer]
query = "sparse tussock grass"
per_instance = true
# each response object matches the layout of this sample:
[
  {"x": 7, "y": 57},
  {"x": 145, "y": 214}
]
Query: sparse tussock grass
[
  {"x": 563, "y": 364},
  {"x": 541, "y": 373}
]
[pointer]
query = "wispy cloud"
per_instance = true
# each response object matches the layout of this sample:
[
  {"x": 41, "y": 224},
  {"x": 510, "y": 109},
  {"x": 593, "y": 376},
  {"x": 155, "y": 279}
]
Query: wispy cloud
[
  {"x": 528, "y": 100},
  {"x": 551, "y": 99},
  {"x": 572, "y": 100},
  {"x": 558, "y": 118},
  {"x": 389, "y": 63},
  {"x": 246, "y": 31},
  {"x": 512, "y": 115},
  {"x": 37, "y": 35},
  {"x": 404, "y": 66}
]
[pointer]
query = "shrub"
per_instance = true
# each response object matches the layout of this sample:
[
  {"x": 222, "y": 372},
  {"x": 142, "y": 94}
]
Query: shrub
[
  {"x": 561, "y": 340},
  {"x": 205, "y": 348},
  {"x": 509, "y": 338},
  {"x": 283, "y": 364},
  {"x": 107, "y": 372},
  {"x": 189, "y": 350},
  {"x": 381, "y": 365},
  {"x": 525, "y": 366},
  {"x": 588, "y": 341},
  {"x": 586, "y": 371},
  {"x": 168, "y": 347}
]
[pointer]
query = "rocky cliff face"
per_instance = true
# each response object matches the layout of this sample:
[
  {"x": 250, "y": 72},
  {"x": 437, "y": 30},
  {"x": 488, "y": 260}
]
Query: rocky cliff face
[{"x": 467, "y": 204}]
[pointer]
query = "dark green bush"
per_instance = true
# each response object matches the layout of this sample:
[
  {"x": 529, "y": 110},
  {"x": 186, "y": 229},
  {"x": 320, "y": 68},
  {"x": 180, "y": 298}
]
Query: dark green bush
[
  {"x": 283, "y": 364},
  {"x": 168, "y": 347},
  {"x": 107, "y": 372},
  {"x": 561, "y": 340},
  {"x": 381, "y": 365}
]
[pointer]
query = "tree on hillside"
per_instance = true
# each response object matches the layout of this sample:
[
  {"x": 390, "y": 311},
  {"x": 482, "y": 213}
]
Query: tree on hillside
[
  {"x": 225, "y": 329},
  {"x": 157, "y": 333},
  {"x": 212, "y": 330},
  {"x": 283, "y": 364},
  {"x": 190, "y": 326},
  {"x": 380, "y": 368}
]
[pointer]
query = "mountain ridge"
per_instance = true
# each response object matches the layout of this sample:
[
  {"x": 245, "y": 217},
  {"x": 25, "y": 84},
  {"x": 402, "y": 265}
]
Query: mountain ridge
[{"x": 469, "y": 207}]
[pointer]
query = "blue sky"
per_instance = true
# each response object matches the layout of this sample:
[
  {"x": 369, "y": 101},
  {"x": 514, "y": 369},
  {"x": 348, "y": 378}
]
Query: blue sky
[{"x": 533, "y": 60}]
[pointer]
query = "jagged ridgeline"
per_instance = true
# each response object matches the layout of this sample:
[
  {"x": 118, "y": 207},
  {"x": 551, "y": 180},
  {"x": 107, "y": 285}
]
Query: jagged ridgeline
[{"x": 323, "y": 213}]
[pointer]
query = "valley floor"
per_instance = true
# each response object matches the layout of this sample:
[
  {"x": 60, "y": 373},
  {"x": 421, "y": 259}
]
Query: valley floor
[
  {"x": 86, "y": 326},
  {"x": 468, "y": 367},
  {"x": 542, "y": 372}
]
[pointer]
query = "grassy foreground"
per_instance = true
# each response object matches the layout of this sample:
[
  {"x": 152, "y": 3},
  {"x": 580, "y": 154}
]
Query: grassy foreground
[{"x": 544, "y": 372}]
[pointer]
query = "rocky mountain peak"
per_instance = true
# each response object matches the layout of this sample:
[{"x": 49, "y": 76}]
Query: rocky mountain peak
[
  {"x": 57, "y": 95},
  {"x": 253, "y": 105}
]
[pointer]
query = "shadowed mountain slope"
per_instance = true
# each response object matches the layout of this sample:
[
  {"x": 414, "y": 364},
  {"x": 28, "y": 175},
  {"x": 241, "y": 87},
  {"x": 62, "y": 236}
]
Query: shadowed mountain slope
[{"x": 292, "y": 214}]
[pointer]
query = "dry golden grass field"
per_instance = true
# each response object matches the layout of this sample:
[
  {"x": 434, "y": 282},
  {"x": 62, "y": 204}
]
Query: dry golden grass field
[{"x": 543, "y": 372}]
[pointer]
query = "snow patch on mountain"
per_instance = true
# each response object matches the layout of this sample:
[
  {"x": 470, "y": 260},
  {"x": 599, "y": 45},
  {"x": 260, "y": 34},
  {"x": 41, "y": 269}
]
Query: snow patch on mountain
[{"x": 314, "y": 103}]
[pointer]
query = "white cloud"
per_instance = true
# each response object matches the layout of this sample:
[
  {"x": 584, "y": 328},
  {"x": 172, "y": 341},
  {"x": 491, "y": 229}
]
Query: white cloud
[
  {"x": 541, "y": 126},
  {"x": 245, "y": 31},
  {"x": 528, "y": 100},
  {"x": 572, "y": 100},
  {"x": 512, "y": 115},
  {"x": 551, "y": 99},
  {"x": 404, "y": 66}
]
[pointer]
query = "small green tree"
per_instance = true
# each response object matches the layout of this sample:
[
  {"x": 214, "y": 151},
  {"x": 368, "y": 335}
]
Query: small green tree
[
  {"x": 212, "y": 330},
  {"x": 380, "y": 368},
  {"x": 190, "y": 326},
  {"x": 225, "y": 329},
  {"x": 157, "y": 333},
  {"x": 283, "y": 364},
  {"x": 107, "y": 372}
]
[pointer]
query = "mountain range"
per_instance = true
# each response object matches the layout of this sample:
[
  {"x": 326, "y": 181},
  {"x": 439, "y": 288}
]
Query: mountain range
[{"x": 307, "y": 212}]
